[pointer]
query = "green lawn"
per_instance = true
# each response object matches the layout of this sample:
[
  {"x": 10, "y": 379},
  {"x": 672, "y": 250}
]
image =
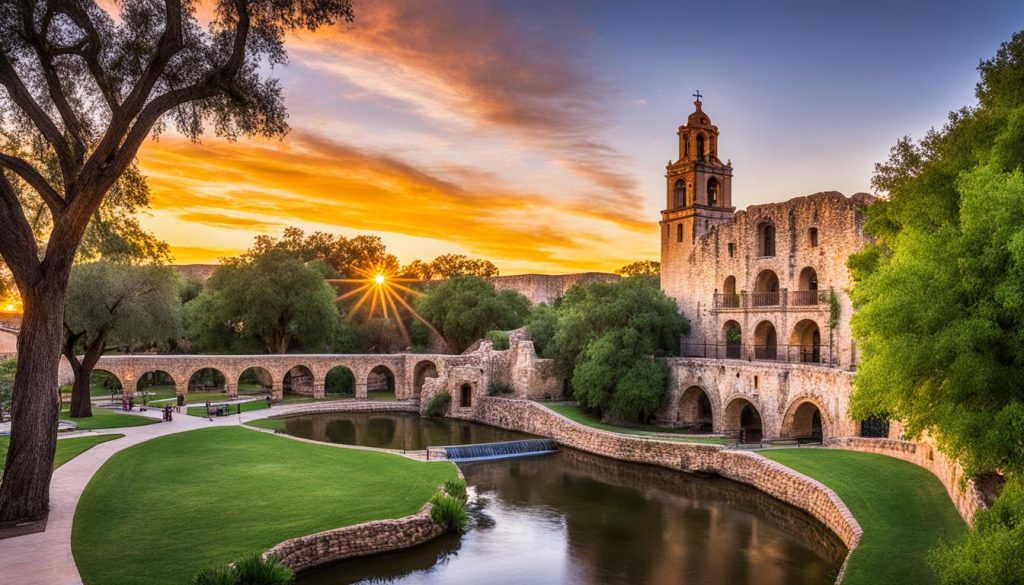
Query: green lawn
[
  {"x": 103, "y": 418},
  {"x": 902, "y": 508},
  {"x": 274, "y": 424},
  {"x": 573, "y": 412},
  {"x": 229, "y": 491},
  {"x": 259, "y": 404},
  {"x": 67, "y": 449},
  {"x": 384, "y": 395}
]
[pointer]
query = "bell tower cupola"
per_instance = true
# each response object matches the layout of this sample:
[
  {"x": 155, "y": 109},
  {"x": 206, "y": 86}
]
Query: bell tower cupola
[{"x": 698, "y": 177}]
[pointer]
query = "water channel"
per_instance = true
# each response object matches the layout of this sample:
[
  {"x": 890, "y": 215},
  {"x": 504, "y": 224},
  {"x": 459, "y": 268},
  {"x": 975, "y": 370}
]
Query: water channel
[{"x": 572, "y": 517}]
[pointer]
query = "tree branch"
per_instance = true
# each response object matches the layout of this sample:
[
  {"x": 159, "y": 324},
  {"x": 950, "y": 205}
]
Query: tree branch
[
  {"x": 35, "y": 180},
  {"x": 89, "y": 51},
  {"x": 17, "y": 243}
]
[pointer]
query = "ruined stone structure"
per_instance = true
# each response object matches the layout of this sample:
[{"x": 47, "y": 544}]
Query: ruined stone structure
[
  {"x": 765, "y": 290},
  {"x": 547, "y": 288}
]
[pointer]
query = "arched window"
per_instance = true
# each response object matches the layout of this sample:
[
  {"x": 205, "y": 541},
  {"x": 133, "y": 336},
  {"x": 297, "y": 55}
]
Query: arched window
[
  {"x": 807, "y": 288},
  {"x": 765, "y": 341},
  {"x": 679, "y": 193},
  {"x": 766, "y": 289},
  {"x": 765, "y": 239},
  {"x": 733, "y": 335},
  {"x": 679, "y": 233},
  {"x": 730, "y": 300},
  {"x": 712, "y": 191},
  {"x": 700, "y": 146},
  {"x": 686, "y": 146}
]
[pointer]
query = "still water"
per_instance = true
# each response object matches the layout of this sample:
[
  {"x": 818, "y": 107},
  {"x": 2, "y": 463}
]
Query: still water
[
  {"x": 393, "y": 430},
  {"x": 575, "y": 518}
]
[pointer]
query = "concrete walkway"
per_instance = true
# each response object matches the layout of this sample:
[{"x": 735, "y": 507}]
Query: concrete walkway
[{"x": 44, "y": 558}]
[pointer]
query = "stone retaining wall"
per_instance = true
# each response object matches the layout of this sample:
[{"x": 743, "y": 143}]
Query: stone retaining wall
[
  {"x": 752, "y": 469},
  {"x": 363, "y": 539},
  {"x": 964, "y": 494}
]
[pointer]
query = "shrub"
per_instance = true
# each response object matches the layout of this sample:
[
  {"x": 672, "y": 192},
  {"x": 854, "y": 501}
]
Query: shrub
[
  {"x": 449, "y": 512},
  {"x": 217, "y": 576},
  {"x": 456, "y": 488},
  {"x": 255, "y": 570},
  {"x": 438, "y": 405},
  {"x": 498, "y": 338},
  {"x": 498, "y": 388}
]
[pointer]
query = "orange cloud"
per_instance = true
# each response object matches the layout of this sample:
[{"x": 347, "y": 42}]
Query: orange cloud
[{"x": 261, "y": 186}]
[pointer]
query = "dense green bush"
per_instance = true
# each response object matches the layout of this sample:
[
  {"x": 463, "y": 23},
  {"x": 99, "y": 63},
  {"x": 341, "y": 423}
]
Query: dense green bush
[
  {"x": 438, "y": 405},
  {"x": 449, "y": 512},
  {"x": 498, "y": 388},
  {"x": 542, "y": 324},
  {"x": 456, "y": 488},
  {"x": 465, "y": 308},
  {"x": 498, "y": 338},
  {"x": 250, "y": 570}
]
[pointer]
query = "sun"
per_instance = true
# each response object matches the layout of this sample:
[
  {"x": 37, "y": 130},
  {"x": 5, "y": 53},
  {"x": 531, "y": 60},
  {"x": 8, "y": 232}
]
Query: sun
[
  {"x": 379, "y": 279},
  {"x": 381, "y": 293}
]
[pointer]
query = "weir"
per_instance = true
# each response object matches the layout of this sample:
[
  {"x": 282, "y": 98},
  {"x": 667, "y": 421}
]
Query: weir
[{"x": 500, "y": 450}]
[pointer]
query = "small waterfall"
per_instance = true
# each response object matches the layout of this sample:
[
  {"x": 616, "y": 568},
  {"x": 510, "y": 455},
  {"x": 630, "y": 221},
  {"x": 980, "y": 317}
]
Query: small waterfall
[{"x": 502, "y": 450}]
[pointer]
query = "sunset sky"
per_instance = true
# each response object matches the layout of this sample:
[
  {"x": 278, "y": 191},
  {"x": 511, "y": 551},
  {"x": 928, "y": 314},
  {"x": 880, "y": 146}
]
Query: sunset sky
[{"x": 535, "y": 133}]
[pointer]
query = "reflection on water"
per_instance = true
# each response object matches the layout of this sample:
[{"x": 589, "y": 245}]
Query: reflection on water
[
  {"x": 393, "y": 430},
  {"x": 578, "y": 518}
]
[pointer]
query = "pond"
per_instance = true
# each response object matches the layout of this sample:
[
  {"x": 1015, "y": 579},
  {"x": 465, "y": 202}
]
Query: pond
[
  {"x": 393, "y": 430},
  {"x": 574, "y": 518}
]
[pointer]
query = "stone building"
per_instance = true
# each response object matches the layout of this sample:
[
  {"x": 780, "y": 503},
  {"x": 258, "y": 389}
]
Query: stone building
[{"x": 766, "y": 286}]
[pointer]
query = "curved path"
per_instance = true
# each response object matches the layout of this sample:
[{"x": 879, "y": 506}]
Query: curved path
[{"x": 44, "y": 558}]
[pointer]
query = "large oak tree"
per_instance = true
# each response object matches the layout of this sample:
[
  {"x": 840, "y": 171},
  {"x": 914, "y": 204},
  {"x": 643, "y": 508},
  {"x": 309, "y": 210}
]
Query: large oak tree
[{"x": 81, "y": 92}]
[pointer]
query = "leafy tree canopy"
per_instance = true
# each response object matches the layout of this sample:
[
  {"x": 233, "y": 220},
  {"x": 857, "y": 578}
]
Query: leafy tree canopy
[
  {"x": 347, "y": 257},
  {"x": 465, "y": 308},
  {"x": 450, "y": 265},
  {"x": 940, "y": 294},
  {"x": 271, "y": 302},
  {"x": 640, "y": 268}
]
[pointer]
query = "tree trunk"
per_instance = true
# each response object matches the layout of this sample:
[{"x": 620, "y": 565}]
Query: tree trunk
[
  {"x": 25, "y": 488},
  {"x": 81, "y": 401}
]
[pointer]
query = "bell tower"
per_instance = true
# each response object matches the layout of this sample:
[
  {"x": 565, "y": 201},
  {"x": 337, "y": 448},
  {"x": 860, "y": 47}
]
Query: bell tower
[{"x": 698, "y": 187}]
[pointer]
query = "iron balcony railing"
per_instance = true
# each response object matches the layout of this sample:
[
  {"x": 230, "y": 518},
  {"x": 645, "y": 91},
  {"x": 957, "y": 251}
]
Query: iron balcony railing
[
  {"x": 761, "y": 300},
  {"x": 805, "y": 354}
]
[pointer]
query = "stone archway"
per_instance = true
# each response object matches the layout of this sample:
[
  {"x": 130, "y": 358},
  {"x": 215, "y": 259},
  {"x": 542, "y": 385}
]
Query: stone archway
[
  {"x": 695, "y": 411},
  {"x": 105, "y": 383},
  {"x": 743, "y": 420},
  {"x": 805, "y": 420},
  {"x": 340, "y": 380},
  {"x": 423, "y": 370},
  {"x": 255, "y": 380},
  {"x": 154, "y": 385},
  {"x": 380, "y": 383},
  {"x": 299, "y": 380},
  {"x": 207, "y": 380},
  {"x": 732, "y": 339},
  {"x": 766, "y": 290},
  {"x": 806, "y": 338},
  {"x": 765, "y": 341}
]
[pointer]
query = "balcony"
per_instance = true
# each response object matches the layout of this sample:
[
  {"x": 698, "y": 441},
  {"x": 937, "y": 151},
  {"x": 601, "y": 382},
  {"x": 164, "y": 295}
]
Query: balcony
[
  {"x": 797, "y": 354},
  {"x": 762, "y": 300}
]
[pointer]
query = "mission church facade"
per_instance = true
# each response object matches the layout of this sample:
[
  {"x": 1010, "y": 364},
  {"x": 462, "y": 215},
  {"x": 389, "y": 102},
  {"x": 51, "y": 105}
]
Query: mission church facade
[{"x": 765, "y": 290}]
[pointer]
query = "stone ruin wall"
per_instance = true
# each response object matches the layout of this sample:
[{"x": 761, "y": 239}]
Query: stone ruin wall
[
  {"x": 694, "y": 280},
  {"x": 547, "y": 288}
]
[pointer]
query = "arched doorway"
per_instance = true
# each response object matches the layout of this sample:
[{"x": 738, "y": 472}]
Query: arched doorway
[
  {"x": 806, "y": 338},
  {"x": 255, "y": 381},
  {"x": 766, "y": 289},
  {"x": 207, "y": 384},
  {"x": 340, "y": 381},
  {"x": 732, "y": 337},
  {"x": 380, "y": 384},
  {"x": 422, "y": 371},
  {"x": 765, "y": 239},
  {"x": 466, "y": 396},
  {"x": 743, "y": 419},
  {"x": 104, "y": 384},
  {"x": 806, "y": 288},
  {"x": 765, "y": 341},
  {"x": 694, "y": 411},
  {"x": 299, "y": 380},
  {"x": 155, "y": 388},
  {"x": 804, "y": 422}
]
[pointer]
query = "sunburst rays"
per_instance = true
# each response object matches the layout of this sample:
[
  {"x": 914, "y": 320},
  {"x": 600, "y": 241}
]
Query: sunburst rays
[{"x": 380, "y": 293}]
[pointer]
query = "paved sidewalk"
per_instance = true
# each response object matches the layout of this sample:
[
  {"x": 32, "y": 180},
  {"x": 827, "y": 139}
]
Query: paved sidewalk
[{"x": 44, "y": 558}]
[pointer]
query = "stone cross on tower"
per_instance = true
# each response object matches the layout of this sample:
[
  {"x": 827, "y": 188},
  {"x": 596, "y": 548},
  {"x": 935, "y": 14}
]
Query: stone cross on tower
[{"x": 698, "y": 96}]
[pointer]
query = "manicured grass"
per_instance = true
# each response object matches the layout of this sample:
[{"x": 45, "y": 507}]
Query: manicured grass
[
  {"x": 230, "y": 491},
  {"x": 381, "y": 395},
  {"x": 67, "y": 449},
  {"x": 103, "y": 418},
  {"x": 574, "y": 413},
  {"x": 902, "y": 508},
  {"x": 274, "y": 424},
  {"x": 259, "y": 404}
]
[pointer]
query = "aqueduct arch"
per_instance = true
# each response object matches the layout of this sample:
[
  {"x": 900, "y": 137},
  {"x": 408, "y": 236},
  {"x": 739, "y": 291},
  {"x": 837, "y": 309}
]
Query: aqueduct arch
[
  {"x": 743, "y": 419},
  {"x": 806, "y": 419},
  {"x": 423, "y": 370}
]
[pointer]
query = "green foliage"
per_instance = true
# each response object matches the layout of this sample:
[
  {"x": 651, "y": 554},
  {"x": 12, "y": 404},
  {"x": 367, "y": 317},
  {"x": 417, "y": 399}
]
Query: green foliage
[
  {"x": 438, "y": 404},
  {"x": 272, "y": 302},
  {"x": 465, "y": 308},
  {"x": 833, "y": 309},
  {"x": 498, "y": 388},
  {"x": 448, "y": 266},
  {"x": 498, "y": 338},
  {"x": 605, "y": 336},
  {"x": 7, "y": 369},
  {"x": 340, "y": 380},
  {"x": 733, "y": 335},
  {"x": 641, "y": 268},
  {"x": 345, "y": 257},
  {"x": 939, "y": 297},
  {"x": 456, "y": 488},
  {"x": 216, "y": 576},
  {"x": 255, "y": 570},
  {"x": 991, "y": 553},
  {"x": 542, "y": 323},
  {"x": 449, "y": 512}
]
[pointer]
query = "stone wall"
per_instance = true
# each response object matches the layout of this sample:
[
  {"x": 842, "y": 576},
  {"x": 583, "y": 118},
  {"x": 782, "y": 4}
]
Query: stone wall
[
  {"x": 965, "y": 496},
  {"x": 745, "y": 467},
  {"x": 353, "y": 541},
  {"x": 8, "y": 341},
  {"x": 547, "y": 288}
]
